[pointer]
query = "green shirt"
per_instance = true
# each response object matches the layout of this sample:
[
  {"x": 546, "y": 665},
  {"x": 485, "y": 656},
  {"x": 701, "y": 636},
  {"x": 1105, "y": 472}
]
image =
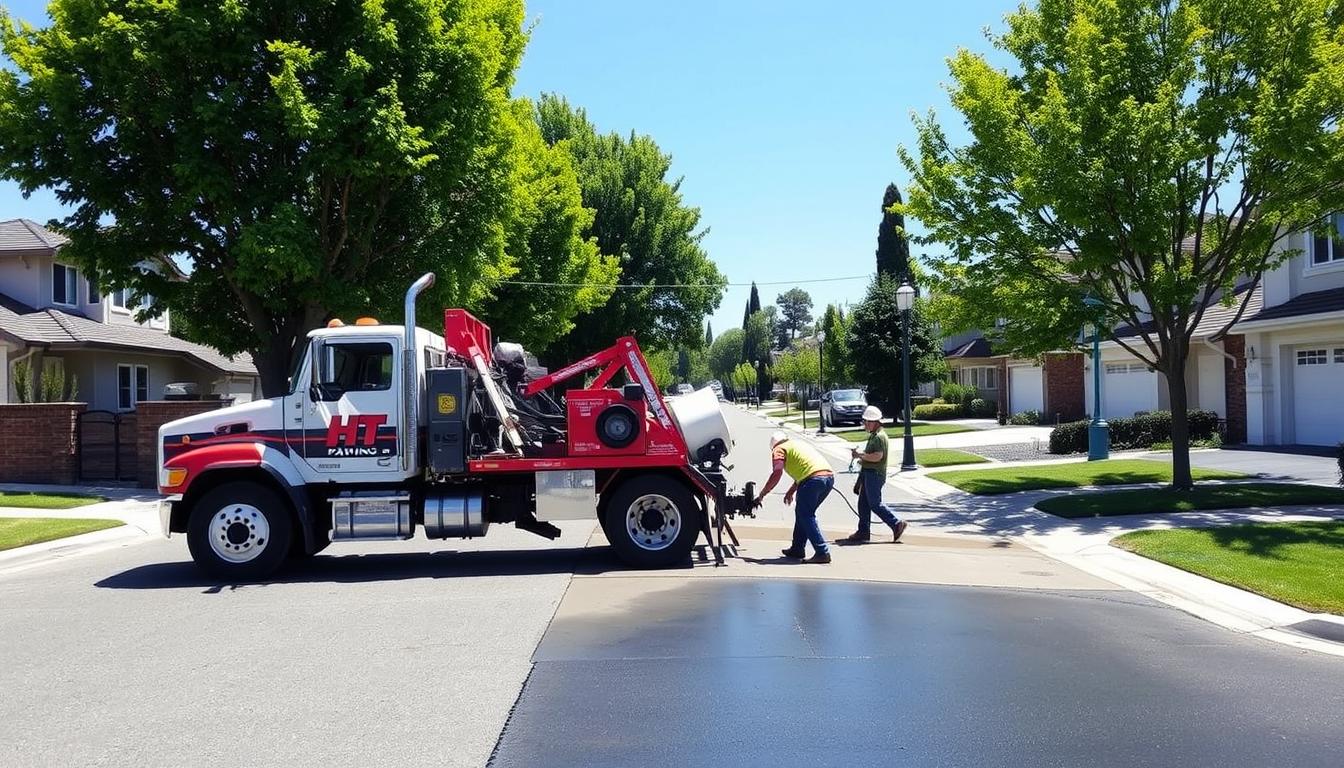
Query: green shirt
[{"x": 877, "y": 443}]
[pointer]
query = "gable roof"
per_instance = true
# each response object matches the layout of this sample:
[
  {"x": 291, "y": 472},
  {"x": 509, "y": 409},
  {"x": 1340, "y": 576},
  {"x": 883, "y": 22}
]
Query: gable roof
[
  {"x": 1216, "y": 316},
  {"x": 1314, "y": 303},
  {"x": 55, "y": 329},
  {"x": 977, "y": 347},
  {"x": 25, "y": 235}
]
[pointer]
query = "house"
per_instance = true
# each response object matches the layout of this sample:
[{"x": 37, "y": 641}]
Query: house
[
  {"x": 1294, "y": 345},
  {"x": 1051, "y": 386},
  {"x": 52, "y": 317}
]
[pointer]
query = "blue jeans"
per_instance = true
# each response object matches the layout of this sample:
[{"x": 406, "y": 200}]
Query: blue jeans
[
  {"x": 870, "y": 500},
  {"x": 811, "y": 492}
]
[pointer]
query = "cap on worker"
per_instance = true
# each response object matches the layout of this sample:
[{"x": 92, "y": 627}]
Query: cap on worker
[
  {"x": 777, "y": 438},
  {"x": 872, "y": 413}
]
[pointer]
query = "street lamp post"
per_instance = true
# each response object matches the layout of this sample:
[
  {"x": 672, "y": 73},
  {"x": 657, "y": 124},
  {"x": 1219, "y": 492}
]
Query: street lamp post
[
  {"x": 905, "y": 299},
  {"x": 1098, "y": 432},
  {"x": 821, "y": 379}
]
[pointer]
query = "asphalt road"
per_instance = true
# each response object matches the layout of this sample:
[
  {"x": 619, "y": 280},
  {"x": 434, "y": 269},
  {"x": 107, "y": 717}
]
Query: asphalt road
[{"x": 415, "y": 653}]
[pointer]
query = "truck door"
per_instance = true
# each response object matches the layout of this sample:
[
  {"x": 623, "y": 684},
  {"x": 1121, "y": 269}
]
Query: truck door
[{"x": 352, "y": 420}]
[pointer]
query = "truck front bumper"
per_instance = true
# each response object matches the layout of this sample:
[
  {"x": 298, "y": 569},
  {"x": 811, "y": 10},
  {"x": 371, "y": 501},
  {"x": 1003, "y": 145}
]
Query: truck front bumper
[{"x": 166, "y": 513}]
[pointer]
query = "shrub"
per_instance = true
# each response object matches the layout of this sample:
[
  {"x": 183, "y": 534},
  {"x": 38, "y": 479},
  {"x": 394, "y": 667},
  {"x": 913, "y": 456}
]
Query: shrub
[
  {"x": 983, "y": 409},
  {"x": 937, "y": 411},
  {"x": 937, "y": 401},
  {"x": 1026, "y": 419},
  {"x": 920, "y": 400},
  {"x": 959, "y": 394},
  {"x": 1142, "y": 431}
]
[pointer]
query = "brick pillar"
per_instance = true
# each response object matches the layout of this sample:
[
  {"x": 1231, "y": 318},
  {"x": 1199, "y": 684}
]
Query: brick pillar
[
  {"x": 149, "y": 416},
  {"x": 1002, "y": 365},
  {"x": 1234, "y": 383},
  {"x": 39, "y": 442},
  {"x": 1064, "y": 381}
]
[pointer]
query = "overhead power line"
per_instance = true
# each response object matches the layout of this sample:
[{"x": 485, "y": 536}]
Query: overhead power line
[{"x": 543, "y": 284}]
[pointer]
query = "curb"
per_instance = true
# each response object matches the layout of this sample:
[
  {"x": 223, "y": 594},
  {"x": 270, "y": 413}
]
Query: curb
[{"x": 56, "y": 550}]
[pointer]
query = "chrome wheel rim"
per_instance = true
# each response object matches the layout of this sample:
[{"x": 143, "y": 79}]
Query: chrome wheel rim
[
  {"x": 653, "y": 522},
  {"x": 239, "y": 533}
]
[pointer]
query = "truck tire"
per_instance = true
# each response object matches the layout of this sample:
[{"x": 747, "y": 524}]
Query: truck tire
[
  {"x": 240, "y": 531},
  {"x": 652, "y": 521}
]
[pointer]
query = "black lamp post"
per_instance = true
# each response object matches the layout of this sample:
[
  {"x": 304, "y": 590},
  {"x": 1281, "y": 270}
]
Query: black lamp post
[
  {"x": 821, "y": 376},
  {"x": 905, "y": 299}
]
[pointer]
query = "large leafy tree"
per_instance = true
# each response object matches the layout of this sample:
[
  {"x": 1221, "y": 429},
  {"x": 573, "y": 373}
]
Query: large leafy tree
[
  {"x": 795, "y": 311},
  {"x": 875, "y": 337},
  {"x": 893, "y": 249},
  {"x": 641, "y": 220},
  {"x": 553, "y": 271},
  {"x": 302, "y": 158},
  {"x": 725, "y": 353},
  {"x": 1149, "y": 153}
]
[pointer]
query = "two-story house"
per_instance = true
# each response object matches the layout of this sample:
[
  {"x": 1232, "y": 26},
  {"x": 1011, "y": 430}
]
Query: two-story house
[
  {"x": 51, "y": 316},
  {"x": 1294, "y": 345}
]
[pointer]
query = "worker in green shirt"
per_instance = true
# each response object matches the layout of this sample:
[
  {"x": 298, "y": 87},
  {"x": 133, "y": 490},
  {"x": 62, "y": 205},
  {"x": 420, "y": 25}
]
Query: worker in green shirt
[
  {"x": 872, "y": 476},
  {"x": 812, "y": 481}
]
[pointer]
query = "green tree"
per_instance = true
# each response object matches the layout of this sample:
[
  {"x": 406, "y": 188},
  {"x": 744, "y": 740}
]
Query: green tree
[
  {"x": 795, "y": 311},
  {"x": 875, "y": 338},
  {"x": 754, "y": 302},
  {"x": 661, "y": 368},
  {"x": 709, "y": 334},
  {"x": 775, "y": 331},
  {"x": 756, "y": 343},
  {"x": 1152, "y": 155},
  {"x": 725, "y": 353},
  {"x": 893, "y": 249},
  {"x": 683, "y": 365},
  {"x": 743, "y": 379},
  {"x": 546, "y": 244},
  {"x": 835, "y": 346},
  {"x": 304, "y": 158},
  {"x": 785, "y": 371},
  {"x": 641, "y": 220}
]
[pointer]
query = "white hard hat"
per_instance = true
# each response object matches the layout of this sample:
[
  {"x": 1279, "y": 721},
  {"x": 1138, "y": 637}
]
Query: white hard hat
[
  {"x": 872, "y": 413},
  {"x": 777, "y": 438}
]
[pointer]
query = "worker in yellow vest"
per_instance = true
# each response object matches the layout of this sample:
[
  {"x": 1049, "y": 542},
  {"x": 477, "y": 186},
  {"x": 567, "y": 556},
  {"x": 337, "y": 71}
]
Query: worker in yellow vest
[{"x": 812, "y": 481}]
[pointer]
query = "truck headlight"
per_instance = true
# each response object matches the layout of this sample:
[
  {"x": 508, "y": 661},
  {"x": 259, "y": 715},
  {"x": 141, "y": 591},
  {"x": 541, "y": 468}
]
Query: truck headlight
[{"x": 171, "y": 477}]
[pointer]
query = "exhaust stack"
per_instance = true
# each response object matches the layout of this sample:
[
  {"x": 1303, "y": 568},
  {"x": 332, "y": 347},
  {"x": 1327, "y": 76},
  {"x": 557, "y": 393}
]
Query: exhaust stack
[{"x": 410, "y": 455}]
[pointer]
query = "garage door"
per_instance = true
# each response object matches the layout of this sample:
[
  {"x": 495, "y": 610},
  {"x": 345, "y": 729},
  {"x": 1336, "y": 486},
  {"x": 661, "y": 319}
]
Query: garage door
[
  {"x": 1129, "y": 388},
  {"x": 1317, "y": 412},
  {"x": 1025, "y": 389}
]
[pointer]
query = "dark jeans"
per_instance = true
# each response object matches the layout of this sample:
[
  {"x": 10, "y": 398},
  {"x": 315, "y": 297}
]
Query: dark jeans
[
  {"x": 810, "y": 494},
  {"x": 870, "y": 500}
]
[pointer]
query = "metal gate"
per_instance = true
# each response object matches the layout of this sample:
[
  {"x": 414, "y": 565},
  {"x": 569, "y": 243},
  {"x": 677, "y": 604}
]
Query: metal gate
[{"x": 105, "y": 445}]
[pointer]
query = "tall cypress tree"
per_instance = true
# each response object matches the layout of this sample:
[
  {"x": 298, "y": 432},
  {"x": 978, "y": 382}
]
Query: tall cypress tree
[
  {"x": 754, "y": 305},
  {"x": 709, "y": 334},
  {"x": 893, "y": 249}
]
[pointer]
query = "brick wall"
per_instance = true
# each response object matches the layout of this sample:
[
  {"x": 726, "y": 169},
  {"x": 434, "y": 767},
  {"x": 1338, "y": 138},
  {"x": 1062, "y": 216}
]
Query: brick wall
[
  {"x": 1065, "y": 397},
  {"x": 1234, "y": 380},
  {"x": 149, "y": 416},
  {"x": 38, "y": 443},
  {"x": 1002, "y": 365}
]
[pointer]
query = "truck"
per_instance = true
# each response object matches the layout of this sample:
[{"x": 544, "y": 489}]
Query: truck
[{"x": 387, "y": 429}]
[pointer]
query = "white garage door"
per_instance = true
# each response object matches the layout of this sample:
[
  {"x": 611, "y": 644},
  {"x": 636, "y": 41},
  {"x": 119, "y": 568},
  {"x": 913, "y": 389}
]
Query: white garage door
[
  {"x": 1025, "y": 389},
  {"x": 1318, "y": 373},
  {"x": 1129, "y": 388}
]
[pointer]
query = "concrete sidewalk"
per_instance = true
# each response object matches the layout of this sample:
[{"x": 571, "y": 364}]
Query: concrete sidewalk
[{"x": 132, "y": 506}]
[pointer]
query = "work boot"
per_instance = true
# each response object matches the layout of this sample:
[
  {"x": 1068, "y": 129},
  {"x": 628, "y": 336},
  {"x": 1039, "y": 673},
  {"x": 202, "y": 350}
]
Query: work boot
[
  {"x": 821, "y": 558},
  {"x": 897, "y": 530},
  {"x": 793, "y": 554},
  {"x": 857, "y": 537}
]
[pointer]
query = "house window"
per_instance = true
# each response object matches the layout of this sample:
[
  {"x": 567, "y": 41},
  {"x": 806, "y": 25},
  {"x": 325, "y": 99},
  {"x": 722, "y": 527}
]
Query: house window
[
  {"x": 132, "y": 385},
  {"x": 122, "y": 298},
  {"x": 980, "y": 377},
  {"x": 64, "y": 285},
  {"x": 1312, "y": 357},
  {"x": 1118, "y": 368},
  {"x": 1339, "y": 354},
  {"x": 1329, "y": 247},
  {"x": 92, "y": 291}
]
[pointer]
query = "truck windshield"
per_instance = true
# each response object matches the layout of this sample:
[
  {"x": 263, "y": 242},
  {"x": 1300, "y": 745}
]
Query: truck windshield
[{"x": 299, "y": 363}]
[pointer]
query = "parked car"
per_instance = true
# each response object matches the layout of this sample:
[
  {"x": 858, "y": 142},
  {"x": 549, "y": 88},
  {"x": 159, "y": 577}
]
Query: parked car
[
  {"x": 843, "y": 406},
  {"x": 717, "y": 386},
  {"x": 685, "y": 389}
]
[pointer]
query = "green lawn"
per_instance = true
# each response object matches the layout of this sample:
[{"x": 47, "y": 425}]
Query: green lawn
[
  {"x": 1301, "y": 564},
  {"x": 46, "y": 500},
  {"x": 1150, "y": 500},
  {"x": 945, "y": 457},
  {"x": 22, "y": 531},
  {"x": 1072, "y": 475},
  {"x": 918, "y": 430}
]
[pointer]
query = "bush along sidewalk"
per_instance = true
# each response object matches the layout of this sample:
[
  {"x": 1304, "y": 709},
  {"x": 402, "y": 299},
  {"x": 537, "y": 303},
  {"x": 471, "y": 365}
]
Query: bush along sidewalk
[{"x": 1139, "y": 432}]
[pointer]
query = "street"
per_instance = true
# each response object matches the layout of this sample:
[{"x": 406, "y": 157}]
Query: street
[{"x": 951, "y": 648}]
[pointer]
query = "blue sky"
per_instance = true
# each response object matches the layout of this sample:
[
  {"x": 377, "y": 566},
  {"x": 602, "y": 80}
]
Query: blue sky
[{"x": 783, "y": 117}]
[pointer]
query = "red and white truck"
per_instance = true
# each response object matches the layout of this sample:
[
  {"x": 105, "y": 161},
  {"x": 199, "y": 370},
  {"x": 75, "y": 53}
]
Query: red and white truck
[{"x": 387, "y": 428}]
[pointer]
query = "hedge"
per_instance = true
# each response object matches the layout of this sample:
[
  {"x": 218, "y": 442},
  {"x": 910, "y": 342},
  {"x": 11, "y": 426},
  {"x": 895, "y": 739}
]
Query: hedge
[
  {"x": 983, "y": 409},
  {"x": 1129, "y": 433},
  {"x": 937, "y": 411},
  {"x": 1026, "y": 418}
]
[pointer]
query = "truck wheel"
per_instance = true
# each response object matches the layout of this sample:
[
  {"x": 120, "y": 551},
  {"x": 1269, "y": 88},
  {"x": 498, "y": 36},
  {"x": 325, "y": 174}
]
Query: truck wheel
[
  {"x": 652, "y": 522},
  {"x": 239, "y": 531}
]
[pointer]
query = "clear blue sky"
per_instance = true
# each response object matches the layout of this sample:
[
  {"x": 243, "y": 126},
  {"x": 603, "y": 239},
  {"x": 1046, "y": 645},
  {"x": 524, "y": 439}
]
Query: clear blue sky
[{"x": 783, "y": 117}]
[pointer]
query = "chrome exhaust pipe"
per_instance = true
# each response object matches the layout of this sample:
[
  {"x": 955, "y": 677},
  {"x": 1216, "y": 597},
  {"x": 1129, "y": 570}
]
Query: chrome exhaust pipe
[{"x": 410, "y": 454}]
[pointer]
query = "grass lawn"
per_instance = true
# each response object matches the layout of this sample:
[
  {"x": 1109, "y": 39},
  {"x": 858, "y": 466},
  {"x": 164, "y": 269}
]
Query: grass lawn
[
  {"x": 1301, "y": 564},
  {"x": 1074, "y": 475},
  {"x": 46, "y": 500},
  {"x": 918, "y": 430},
  {"x": 22, "y": 531},
  {"x": 1149, "y": 500},
  {"x": 945, "y": 457}
]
